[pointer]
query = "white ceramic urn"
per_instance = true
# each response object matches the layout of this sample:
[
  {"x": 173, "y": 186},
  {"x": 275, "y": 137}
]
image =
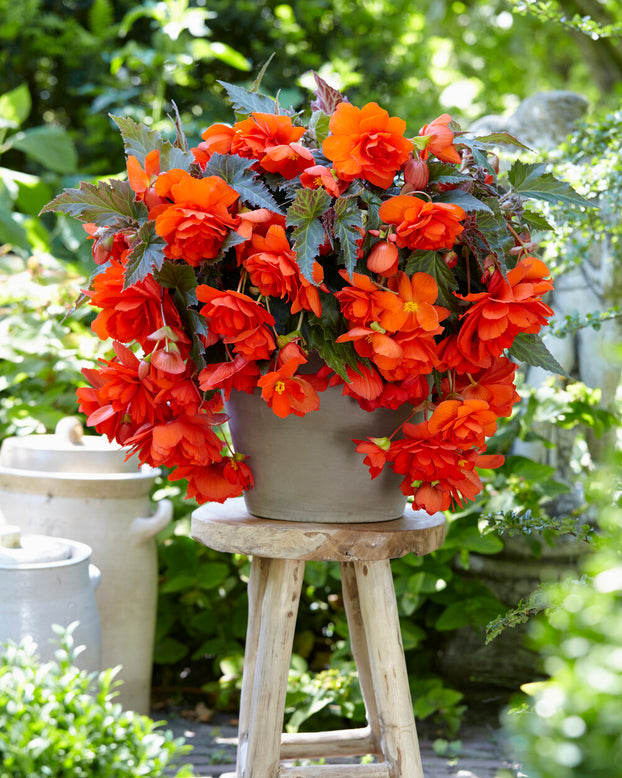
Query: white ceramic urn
[
  {"x": 47, "y": 581},
  {"x": 81, "y": 487}
]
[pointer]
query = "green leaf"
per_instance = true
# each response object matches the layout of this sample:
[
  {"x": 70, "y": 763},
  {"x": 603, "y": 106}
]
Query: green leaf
[
  {"x": 303, "y": 216},
  {"x": 463, "y": 199},
  {"x": 146, "y": 254},
  {"x": 11, "y": 232},
  {"x": 51, "y": 146},
  {"x": 176, "y": 275},
  {"x": 204, "y": 49},
  {"x": 503, "y": 138},
  {"x": 236, "y": 172},
  {"x": 444, "y": 173},
  {"x": 103, "y": 203},
  {"x": 139, "y": 140},
  {"x": 347, "y": 225},
  {"x": 247, "y": 102},
  {"x": 535, "y": 221},
  {"x": 318, "y": 126},
  {"x": 532, "y": 180},
  {"x": 212, "y": 574},
  {"x": 169, "y": 651},
  {"x": 178, "y": 583},
  {"x": 412, "y": 635},
  {"x": 320, "y": 335},
  {"x": 527, "y": 469},
  {"x": 15, "y": 105},
  {"x": 473, "y": 540},
  {"x": 472, "y": 612},
  {"x": 530, "y": 348}
]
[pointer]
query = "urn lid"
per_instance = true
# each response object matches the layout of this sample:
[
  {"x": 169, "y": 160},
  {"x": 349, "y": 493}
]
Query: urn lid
[
  {"x": 17, "y": 550},
  {"x": 66, "y": 451}
]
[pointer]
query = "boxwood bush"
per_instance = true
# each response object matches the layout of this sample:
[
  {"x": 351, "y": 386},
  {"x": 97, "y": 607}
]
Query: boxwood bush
[{"x": 58, "y": 721}]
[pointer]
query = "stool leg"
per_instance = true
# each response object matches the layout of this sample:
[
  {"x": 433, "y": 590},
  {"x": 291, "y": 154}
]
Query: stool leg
[
  {"x": 399, "y": 741},
  {"x": 256, "y": 590},
  {"x": 359, "y": 647},
  {"x": 259, "y": 747}
]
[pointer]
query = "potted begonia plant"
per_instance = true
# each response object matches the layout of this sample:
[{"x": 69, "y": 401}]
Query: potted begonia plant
[{"x": 290, "y": 256}]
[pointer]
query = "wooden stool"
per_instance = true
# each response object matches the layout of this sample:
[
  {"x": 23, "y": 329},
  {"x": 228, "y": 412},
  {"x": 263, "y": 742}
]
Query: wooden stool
[{"x": 279, "y": 550}]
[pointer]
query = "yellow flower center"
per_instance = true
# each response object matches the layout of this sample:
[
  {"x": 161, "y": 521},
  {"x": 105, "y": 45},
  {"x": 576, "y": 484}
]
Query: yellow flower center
[
  {"x": 279, "y": 387},
  {"x": 411, "y": 306}
]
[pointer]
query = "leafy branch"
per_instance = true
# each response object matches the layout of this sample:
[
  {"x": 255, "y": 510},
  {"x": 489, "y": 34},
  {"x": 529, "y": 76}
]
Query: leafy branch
[
  {"x": 525, "y": 610},
  {"x": 525, "y": 523},
  {"x": 549, "y": 11}
]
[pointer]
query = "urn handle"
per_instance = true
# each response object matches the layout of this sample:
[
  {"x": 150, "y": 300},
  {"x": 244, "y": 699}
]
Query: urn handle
[
  {"x": 95, "y": 575},
  {"x": 142, "y": 529}
]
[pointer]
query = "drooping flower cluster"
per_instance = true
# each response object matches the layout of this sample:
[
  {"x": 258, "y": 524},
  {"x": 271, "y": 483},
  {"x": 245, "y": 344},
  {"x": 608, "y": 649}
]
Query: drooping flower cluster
[{"x": 401, "y": 260}]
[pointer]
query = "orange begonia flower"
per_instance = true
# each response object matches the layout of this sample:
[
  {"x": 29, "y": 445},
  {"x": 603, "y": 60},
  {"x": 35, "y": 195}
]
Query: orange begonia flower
[
  {"x": 465, "y": 423},
  {"x": 217, "y": 139},
  {"x": 216, "y": 482},
  {"x": 495, "y": 385},
  {"x": 286, "y": 393},
  {"x": 366, "y": 143},
  {"x": 440, "y": 140},
  {"x": 184, "y": 440},
  {"x": 198, "y": 220},
  {"x": 272, "y": 265},
  {"x": 409, "y": 306},
  {"x": 272, "y": 140},
  {"x": 231, "y": 315},
  {"x": 237, "y": 318},
  {"x": 422, "y": 225},
  {"x": 261, "y": 131},
  {"x": 133, "y": 313},
  {"x": 256, "y": 344},
  {"x": 321, "y": 176},
  {"x": 508, "y": 307},
  {"x": 239, "y": 374},
  {"x": 451, "y": 357},
  {"x": 288, "y": 160},
  {"x": 376, "y": 450},
  {"x": 436, "y": 472},
  {"x": 418, "y": 356},
  {"x": 364, "y": 382},
  {"x": 358, "y": 302},
  {"x": 142, "y": 178},
  {"x": 372, "y": 344}
]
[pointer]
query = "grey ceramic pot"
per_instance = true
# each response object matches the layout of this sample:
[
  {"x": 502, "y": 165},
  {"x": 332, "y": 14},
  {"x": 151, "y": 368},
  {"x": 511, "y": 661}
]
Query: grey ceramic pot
[{"x": 306, "y": 467}]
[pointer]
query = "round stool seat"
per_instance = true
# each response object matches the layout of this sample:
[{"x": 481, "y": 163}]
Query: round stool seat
[{"x": 230, "y": 528}]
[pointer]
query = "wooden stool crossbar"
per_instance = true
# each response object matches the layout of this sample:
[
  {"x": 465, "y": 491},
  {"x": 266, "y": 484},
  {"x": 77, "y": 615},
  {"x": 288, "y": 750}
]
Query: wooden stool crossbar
[{"x": 279, "y": 550}]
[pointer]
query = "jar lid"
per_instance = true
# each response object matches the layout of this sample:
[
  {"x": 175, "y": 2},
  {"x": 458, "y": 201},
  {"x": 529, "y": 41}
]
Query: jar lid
[
  {"x": 17, "y": 550},
  {"x": 66, "y": 451}
]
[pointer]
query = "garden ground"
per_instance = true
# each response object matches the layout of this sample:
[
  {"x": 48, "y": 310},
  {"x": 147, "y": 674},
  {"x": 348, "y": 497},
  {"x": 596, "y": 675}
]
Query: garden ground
[{"x": 480, "y": 753}]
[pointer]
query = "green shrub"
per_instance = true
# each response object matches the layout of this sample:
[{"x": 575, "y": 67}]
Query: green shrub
[
  {"x": 571, "y": 725},
  {"x": 57, "y": 721}
]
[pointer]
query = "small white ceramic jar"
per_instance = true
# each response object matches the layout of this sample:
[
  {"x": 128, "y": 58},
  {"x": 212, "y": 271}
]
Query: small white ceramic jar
[{"x": 46, "y": 581}]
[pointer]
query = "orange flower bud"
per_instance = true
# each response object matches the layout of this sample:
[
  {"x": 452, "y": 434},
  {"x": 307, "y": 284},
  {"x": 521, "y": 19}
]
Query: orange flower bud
[
  {"x": 450, "y": 259},
  {"x": 416, "y": 173},
  {"x": 383, "y": 258}
]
